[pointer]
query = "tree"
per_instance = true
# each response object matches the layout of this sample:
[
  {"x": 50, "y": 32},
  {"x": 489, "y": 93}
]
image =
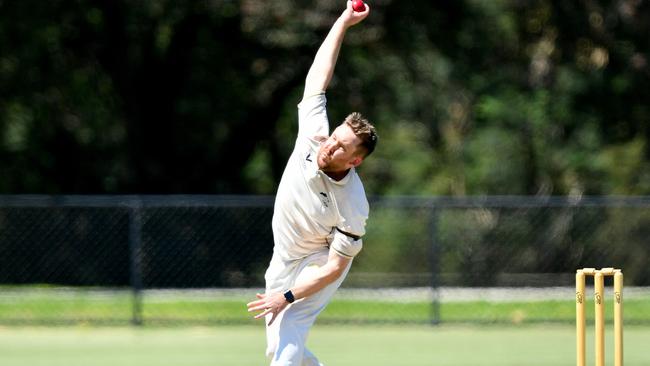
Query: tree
[{"x": 533, "y": 97}]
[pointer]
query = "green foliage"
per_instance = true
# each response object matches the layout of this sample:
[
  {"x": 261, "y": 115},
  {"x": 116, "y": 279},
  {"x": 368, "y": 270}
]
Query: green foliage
[
  {"x": 502, "y": 170},
  {"x": 414, "y": 167},
  {"x": 626, "y": 166},
  {"x": 396, "y": 234},
  {"x": 470, "y": 97}
]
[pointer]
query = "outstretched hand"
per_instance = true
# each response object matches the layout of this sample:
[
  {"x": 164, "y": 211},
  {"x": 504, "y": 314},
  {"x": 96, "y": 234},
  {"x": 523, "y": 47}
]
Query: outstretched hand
[
  {"x": 268, "y": 304},
  {"x": 351, "y": 17}
]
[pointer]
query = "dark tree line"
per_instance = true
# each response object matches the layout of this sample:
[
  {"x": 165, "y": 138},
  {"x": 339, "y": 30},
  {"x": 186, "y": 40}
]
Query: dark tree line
[{"x": 155, "y": 96}]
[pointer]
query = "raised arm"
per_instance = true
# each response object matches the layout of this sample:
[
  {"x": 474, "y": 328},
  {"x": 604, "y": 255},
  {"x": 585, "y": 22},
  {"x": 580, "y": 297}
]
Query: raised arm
[{"x": 322, "y": 69}]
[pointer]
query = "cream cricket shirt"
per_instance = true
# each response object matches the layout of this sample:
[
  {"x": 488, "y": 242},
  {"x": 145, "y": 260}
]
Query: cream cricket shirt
[{"x": 313, "y": 211}]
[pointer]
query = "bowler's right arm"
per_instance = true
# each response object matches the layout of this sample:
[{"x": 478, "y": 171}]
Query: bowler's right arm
[{"x": 321, "y": 71}]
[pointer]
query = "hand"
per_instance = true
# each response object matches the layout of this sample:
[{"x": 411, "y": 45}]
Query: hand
[
  {"x": 351, "y": 17},
  {"x": 268, "y": 304}
]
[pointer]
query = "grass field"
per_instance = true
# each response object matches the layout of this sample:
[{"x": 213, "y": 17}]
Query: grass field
[
  {"x": 204, "y": 328},
  {"x": 75, "y": 307},
  {"x": 414, "y": 345}
]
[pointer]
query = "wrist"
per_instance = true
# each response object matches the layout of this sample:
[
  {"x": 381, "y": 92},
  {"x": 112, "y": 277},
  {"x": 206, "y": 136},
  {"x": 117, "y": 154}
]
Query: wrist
[
  {"x": 288, "y": 296},
  {"x": 343, "y": 23}
]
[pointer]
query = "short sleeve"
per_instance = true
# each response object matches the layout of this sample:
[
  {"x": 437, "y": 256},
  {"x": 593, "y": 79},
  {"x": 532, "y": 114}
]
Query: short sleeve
[
  {"x": 312, "y": 116},
  {"x": 346, "y": 244},
  {"x": 353, "y": 214}
]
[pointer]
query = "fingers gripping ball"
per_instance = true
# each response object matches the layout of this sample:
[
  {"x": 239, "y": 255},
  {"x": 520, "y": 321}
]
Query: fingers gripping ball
[{"x": 358, "y": 5}]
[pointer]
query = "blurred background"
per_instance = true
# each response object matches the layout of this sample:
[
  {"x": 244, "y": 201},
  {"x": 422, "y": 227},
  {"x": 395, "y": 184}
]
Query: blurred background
[
  {"x": 141, "y": 143},
  {"x": 470, "y": 97}
]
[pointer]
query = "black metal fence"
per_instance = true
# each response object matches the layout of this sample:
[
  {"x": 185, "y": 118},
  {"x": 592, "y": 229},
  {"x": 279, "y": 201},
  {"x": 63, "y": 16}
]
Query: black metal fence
[{"x": 114, "y": 259}]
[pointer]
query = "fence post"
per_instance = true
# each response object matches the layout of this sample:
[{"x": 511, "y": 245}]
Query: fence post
[
  {"x": 434, "y": 258},
  {"x": 135, "y": 248}
]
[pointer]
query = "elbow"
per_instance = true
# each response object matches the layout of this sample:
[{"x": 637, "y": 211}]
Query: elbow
[
  {"x": 316, "y": 82},
  {"x": 334, "y": 271}
]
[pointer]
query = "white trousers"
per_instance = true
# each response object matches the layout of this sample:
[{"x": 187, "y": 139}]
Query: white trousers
[{"x": 287, "y": 336}]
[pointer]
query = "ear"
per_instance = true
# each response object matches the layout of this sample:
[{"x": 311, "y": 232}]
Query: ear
[{"x": 356, "y": 161}]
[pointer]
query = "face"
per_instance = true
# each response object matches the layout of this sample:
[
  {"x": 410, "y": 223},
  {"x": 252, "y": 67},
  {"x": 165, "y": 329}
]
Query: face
[{"x": 338, "y": 152}]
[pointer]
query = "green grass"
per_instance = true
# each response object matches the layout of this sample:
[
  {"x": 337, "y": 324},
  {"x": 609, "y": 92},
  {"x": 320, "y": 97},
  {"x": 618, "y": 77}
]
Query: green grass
[
  {"x": 392, "y": 333},
  {"x": 102, "y": 307},
  {"x": 636, "y": 311},
  {"x": 410, "y": 345}
]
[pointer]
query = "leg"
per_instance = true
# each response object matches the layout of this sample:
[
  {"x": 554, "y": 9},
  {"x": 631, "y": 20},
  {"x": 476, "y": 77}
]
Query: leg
[
  {"x": 290, "y": 347},
  {"x": 288, "y": 335},
  {"x": 279, "y": 276},
  {"x": 309, "y": 359},
  {"x": 273, "y": 337}
]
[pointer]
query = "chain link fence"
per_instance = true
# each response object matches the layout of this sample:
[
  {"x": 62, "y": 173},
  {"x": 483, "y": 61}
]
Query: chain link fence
[{"x": 199, "y": 259}]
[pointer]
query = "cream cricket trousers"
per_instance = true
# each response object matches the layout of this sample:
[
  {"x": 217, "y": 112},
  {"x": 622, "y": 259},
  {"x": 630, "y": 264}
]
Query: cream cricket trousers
[{"x": 287, "y": 335}]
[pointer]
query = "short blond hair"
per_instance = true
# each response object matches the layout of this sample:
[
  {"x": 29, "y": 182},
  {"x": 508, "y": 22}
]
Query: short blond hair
[{"x": 363, "y": 130}]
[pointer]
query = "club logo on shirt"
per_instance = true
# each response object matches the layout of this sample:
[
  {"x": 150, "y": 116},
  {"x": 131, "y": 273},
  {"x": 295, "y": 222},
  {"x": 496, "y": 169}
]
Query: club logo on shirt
[{"x": 325, "y": 199}]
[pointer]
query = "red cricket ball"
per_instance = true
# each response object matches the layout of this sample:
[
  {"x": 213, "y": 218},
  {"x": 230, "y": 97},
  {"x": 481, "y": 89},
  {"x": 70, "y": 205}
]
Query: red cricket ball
[{"x": 358, "y": 5}]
